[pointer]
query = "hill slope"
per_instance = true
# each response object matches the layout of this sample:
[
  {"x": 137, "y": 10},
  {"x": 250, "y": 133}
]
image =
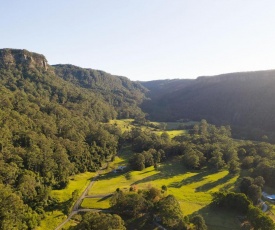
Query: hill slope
[
  {"x": 50, "y": 128},
  {"x": 243, "y": 100},
  {"x": 118, "y": 91}
]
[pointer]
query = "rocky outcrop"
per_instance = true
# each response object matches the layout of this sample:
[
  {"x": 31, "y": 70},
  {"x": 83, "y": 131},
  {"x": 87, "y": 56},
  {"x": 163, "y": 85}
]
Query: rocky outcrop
[{"x": 24, "y": 58}]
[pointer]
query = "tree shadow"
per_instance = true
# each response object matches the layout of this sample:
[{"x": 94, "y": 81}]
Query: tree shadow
[
  {"x": 111, "y": 175},
  {"x": 220, "y": 218},
  {"x": 64, "y": 206},
  {"x": 105, "y": 198},
  {"x": 192, "y": 179},
  {"x": 213, "y": 184},
  {"x": 165, "y": 171},
  {"x": 147, "y": 171}
]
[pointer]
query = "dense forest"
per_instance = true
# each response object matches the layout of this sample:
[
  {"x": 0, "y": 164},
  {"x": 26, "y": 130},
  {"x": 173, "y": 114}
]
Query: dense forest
[
  {"x": 51, "y": 127},
  {"x": 241, "y": 100}
]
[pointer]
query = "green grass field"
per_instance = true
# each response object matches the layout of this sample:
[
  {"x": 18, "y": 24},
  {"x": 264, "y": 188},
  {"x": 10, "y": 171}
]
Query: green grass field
[
  {"x": 192, "y": 188},
  {"x": 171, "y": 127},
  {"x": 78, "y": 182},
  {"x": 52, "y": 219},
  {"x": 96, "y": 203},
  {"x": 173, "y": 133}
]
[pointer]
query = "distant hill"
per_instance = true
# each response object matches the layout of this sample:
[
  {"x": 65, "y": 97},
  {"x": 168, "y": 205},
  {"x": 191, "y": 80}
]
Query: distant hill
[
  {"x": 118, "y": 91},
  {"x": 243, "y": 100}
]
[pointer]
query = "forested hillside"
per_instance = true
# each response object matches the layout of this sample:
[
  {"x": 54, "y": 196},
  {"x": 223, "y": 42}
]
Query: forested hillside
[
  {"x": 51, "y": 127},
  {"x": 118, "y": 91},
  {"x": 242, "y": 100}
]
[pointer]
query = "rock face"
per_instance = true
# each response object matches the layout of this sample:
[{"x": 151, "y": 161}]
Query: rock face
[{"x": 24, "y": 58}]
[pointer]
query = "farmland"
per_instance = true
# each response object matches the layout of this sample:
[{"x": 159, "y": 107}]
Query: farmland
[{"x": 192, "y": 188}]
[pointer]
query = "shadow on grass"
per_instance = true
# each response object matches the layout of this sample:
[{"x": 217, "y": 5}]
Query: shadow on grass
[
  {"x": 147, "y": 172},
  {"x": 60, "y": 206},
  {"x": 211, "y": 185},
  {"x": 165, "y": 171},
  {"x": 105, "y": 198},
  {"x": 219, "y": 218},
  {"x": 192, "y": 179}
]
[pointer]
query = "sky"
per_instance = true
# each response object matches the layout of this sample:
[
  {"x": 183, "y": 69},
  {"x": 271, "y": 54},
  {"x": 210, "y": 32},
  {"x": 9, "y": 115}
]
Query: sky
[{"x": 145, "y": 39}]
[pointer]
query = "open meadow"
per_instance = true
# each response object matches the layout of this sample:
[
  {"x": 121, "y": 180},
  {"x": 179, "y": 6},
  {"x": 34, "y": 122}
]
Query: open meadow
[
  {"x": 172, "y": 128},
  {"x": 54, "y": 217},
  {"x": 192, "y": 188}
]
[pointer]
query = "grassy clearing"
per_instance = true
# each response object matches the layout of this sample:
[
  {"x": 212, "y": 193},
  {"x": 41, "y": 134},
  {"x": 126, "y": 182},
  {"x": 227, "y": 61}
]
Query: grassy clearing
[
  {"x": 171, "y": 127},
  {"x": 96, "y": 203},
  {"x": 77, "y": 182},
  {"x": 192, "y": 188},
  {"x": 124, "y": 125},
  {"x": 52, "y": 219},
  {"x": 69, "y": 224},
  {"x": 173, "y": 133},
  {"x": 271, "y": 211}
]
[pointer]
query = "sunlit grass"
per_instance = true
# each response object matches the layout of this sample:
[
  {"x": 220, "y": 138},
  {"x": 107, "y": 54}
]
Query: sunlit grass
[
  {"x": 124, "y": 125},
  {"x": 271, "y": 211},
  {"x": 52, "y": 220},
  {"x": 77, "y": 182},
  {"x": 192, "y": 189},
  {"x": 171, "y": 127},
  {"x": 69, "y": 224},
  {"x": 109, "y": 182},
  {"x": 96, "y": 203},
  {"x": 173, "y": 133}
]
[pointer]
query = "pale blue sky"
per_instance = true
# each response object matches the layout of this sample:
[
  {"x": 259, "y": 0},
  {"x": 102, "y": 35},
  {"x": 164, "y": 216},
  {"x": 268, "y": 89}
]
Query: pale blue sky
[{"x": 145, "y": 39}]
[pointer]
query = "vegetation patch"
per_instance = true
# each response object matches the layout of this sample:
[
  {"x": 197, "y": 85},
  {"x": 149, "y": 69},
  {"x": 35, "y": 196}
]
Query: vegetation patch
[
  {"x": 77, "y": 182},
  {"x": 191, "y": 188},
  {"x": 96, "y": 203},
  {"x": 52, "y": 220}
]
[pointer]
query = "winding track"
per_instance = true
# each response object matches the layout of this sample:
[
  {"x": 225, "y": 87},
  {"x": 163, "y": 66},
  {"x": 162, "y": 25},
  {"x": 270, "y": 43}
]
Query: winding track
[{"x": 84, "y": 195}]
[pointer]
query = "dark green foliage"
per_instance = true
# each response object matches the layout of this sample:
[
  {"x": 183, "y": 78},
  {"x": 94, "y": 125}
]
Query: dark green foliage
[
  {"x": 192, "y": 158},
  {"x": 259, "y": 220},
  {"x": 231, "y": 200},
  {"x": 51, "y": 126},
  {"x": 254, "y": 193},
  {"x": 239, "y": 202},
  {"x": 95, "y": 221},
  {"x": 224, "y": 99},
  {"x": 169, "y": 212},
  {"x": 234, "y": 167},
  {"x": 118, "y": 91},
  {"x": 216, "y": 160},
  {"x": 14, "y": 214},
  {"x": 212, "y": 147},
  {"x": 149, "y": 203},
  {"x": 129, "y": 204},
  {"x": 199, "y": 222},
  {"x": 137, "y": 162},
  {"x": 252, "y": 188},
  {"x": 164, "y": 188},
  {"x": 245, "y": 184}
]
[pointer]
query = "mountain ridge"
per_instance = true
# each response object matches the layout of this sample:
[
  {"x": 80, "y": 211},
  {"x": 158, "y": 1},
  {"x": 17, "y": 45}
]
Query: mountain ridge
[{"x": 243, "y": 100}]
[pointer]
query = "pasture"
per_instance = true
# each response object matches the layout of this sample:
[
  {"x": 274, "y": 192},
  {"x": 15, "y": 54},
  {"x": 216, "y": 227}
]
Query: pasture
[
  {"x": 192, "y": 188},
  {"x": 172, "y": 128},
  {"x": 53, "y": 218}
]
